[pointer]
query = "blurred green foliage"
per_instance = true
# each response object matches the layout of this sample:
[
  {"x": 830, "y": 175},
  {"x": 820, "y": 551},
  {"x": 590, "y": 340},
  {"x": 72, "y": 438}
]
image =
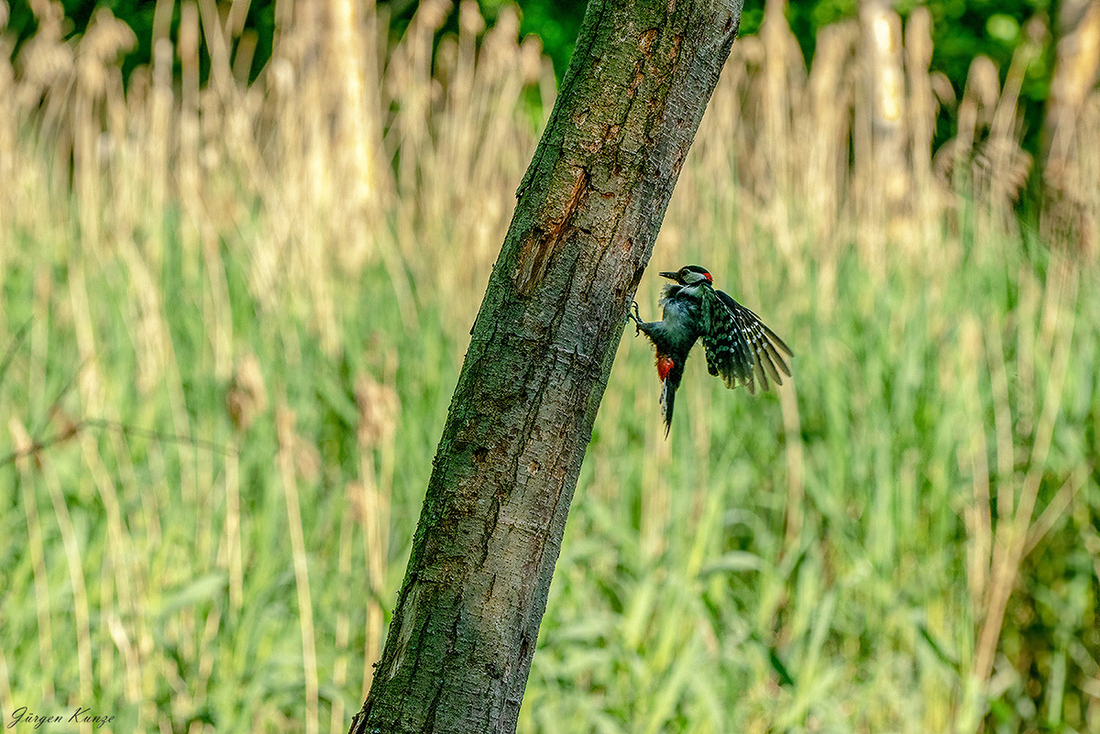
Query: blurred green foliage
[{"x": 680, "y": 604}]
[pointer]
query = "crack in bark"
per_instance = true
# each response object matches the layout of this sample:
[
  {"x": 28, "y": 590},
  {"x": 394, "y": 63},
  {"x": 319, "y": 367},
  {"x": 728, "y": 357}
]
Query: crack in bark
[
  {"x": 429, "y": 723},
  {"x": 490, "y": 528},
  {"x": 540, "y": 246}
]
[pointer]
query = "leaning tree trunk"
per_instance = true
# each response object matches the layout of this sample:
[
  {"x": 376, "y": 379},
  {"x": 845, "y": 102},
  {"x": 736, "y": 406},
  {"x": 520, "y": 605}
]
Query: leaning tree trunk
[{"x": 589, "y": 208}]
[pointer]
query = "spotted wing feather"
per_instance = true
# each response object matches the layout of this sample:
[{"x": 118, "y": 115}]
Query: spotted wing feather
[{"x": 740, "y": 348}]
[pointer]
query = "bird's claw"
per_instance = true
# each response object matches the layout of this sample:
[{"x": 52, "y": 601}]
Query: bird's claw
[{"x": 637, "y": 318}]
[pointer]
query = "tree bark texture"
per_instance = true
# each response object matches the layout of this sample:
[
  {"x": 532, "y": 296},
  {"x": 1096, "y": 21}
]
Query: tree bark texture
[{"x": 589, "y": 208}]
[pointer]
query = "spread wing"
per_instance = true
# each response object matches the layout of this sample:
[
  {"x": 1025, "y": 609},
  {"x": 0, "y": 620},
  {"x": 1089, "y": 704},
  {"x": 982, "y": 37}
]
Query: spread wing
[{"x": 740, "y": 348}]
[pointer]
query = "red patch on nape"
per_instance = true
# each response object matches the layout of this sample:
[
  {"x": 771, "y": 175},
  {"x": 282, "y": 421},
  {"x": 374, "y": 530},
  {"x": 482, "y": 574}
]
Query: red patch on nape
[
  {"x": 664, "y": 365},
  {"x": 709, "y": 279}
]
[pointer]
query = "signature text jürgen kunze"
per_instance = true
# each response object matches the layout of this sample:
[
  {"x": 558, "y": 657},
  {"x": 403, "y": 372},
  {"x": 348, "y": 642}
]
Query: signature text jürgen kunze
[{"x": 82, "y": 715}]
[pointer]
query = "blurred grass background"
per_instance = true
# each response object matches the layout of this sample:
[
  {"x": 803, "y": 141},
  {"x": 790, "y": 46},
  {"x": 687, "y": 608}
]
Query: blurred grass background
[{"x": 233, "y": 314}]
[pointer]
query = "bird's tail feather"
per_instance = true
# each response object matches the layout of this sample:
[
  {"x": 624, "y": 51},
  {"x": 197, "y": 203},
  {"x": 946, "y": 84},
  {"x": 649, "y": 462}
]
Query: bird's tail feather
[{"x": 668, "y": 400}]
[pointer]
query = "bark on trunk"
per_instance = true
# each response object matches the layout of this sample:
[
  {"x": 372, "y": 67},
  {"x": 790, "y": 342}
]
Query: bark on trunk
[{"x": 463, "y": 633}]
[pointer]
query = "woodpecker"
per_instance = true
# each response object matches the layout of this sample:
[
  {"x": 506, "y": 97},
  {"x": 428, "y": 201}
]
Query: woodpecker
[{"x": 739, "y": 347}]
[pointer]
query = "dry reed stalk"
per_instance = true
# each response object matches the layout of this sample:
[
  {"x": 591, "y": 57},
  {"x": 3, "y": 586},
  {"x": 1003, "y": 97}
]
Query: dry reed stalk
[
  {"x": 5, "y": 676},
  {"x": 1086, "y": 179},
  {"x": 1028, "y": 352},
  {"x": 1055, "y": 509},
  {"x": 784, "y": 79},
  {"x": 1009, "y": 164},
  {"x": 457, "y": 68},
  {"x": 922, "y": 126},
  {"x": 1013, "y": 530},
  {"x": 1002, "y": 415},
  {"x": 216, "y": 40},
  {"x": 188, "y": 175},
  {"x": 23, "y": 444},
  {"x": 351, "y": 55},
  {"x": 233, "y": 560},
  {"x": 979, "y": 97},
  {"x": 285, "y": 420},
  {"x": 408, "y": 77},
  {"x": 979, "y": 520},
  {"x": 867, "y": 229},
  {"x": 653, "y": 524},
  {"x": 119, "y": 551},
  {"x": 158, "y": 145},
  {"x": 825, "y": 129},
  {"x": 703, "y": 488},
  {"x": 474, "y": 104},
  {"x": 371, "y": 512},
  {"x": 1071, "y": 212},
  {"x": 337, "y": 721},
  {"x": 121, "y": 639},
  {"x": 8, "y": 125},
  {"x": 727, "y": 106},
  {"x": 363, "y": 502},
  {"x": 378, "y": 409},
  {"x": 888, "y": 166},
  {"x": 205, "y": 665},
  {"x": 794, "y": 450},
  {"x": 73, "y": 557},
  {"x": 148, "y": 324},
  {"x": 10, "y": 151},
  {"x": 1076, "y": 67}
]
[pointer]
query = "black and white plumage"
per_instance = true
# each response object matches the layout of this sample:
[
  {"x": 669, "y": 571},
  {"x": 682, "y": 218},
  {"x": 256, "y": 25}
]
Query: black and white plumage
[{"x": 739, "y": 347}]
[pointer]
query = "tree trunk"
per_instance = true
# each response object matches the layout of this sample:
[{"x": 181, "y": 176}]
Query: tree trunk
[{"x": 589, "y": 208}]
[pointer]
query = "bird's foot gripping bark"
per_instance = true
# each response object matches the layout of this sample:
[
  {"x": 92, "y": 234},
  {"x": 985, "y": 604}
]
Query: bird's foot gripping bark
[{"x": 636, "y": 318}]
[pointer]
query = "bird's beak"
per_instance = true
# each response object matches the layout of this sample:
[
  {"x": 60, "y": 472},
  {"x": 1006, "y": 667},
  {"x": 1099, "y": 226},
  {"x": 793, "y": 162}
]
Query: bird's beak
[{"x": 670, "y": 276}]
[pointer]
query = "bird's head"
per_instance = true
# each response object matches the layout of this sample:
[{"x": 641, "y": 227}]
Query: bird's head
[{"x": 689, "y": 275}]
